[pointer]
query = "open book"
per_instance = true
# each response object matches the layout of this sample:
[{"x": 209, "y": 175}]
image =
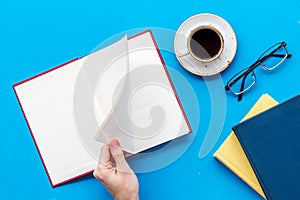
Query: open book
[{"x": 123, "y": 91}]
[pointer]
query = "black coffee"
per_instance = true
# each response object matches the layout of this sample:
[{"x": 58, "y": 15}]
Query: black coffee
[{"x": 205, "y": 43}]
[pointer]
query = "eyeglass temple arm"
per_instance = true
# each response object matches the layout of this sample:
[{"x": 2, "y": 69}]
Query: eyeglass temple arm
[
  {"x": 282, "y": 55},
  {"x": 242, "y": 87},
  {"x": 275, "y": 55},
  {"x": 272, "y": 54}
]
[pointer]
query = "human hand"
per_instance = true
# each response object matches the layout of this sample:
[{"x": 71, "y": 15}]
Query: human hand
[{"x": 115, "y": 174}]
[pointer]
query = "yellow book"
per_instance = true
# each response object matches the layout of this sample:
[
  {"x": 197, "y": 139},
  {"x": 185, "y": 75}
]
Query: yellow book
[{"x": 231, "y": 153}]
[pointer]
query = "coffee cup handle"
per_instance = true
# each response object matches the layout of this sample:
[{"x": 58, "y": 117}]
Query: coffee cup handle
[{"x": 183, "y": 52}]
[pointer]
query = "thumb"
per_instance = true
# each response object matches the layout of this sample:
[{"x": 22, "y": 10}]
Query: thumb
[{"x": 118, "y": 156}]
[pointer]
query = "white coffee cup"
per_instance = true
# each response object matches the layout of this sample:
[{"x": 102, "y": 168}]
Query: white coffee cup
[{"x": 205, "y": 43}]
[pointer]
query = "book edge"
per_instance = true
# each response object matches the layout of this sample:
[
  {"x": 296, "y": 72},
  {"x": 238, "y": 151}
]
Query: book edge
[{"x": 233, "y": 168}]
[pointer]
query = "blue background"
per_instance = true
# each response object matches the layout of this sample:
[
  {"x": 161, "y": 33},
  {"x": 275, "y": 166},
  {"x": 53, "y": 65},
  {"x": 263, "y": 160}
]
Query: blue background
[{"x": 38, "y": 35}]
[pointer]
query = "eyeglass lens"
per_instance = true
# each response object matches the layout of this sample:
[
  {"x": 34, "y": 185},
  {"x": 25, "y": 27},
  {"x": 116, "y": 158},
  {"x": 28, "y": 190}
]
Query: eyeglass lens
[
  {"x": 247, "y": 81},
  {"x": 273, "y": 60}
]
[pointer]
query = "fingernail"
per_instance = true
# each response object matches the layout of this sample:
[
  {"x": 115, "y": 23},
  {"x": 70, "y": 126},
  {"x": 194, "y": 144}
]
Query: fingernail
[{"x": 115, "y": 143}]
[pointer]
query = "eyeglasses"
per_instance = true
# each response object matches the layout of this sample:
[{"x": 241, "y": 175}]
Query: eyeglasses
[{"x": 246, "y": 78}]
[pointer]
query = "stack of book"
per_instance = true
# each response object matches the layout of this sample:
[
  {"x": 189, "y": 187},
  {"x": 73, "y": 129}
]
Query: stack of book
[{"x": 264, "y": 151}]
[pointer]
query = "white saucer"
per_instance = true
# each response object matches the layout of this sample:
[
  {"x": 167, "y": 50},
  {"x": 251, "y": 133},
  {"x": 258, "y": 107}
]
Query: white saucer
[{"x": 205, "y": 68}]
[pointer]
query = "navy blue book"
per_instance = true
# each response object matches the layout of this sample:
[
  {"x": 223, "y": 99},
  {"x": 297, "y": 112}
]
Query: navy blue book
[{"x": 271, "y": 141}]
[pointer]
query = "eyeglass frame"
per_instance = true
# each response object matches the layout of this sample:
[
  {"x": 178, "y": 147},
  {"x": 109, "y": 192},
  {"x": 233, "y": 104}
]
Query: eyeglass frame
[{"x": 258, "y": 62}]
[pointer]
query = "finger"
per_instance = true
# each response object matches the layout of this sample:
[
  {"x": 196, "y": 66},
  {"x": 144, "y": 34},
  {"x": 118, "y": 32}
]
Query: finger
[
  {"x": 104, "y": 155},
  {"x": 103, "y": 164},
  {"x": 118, "y": 156},
  {"x": 127, "y": 154}
]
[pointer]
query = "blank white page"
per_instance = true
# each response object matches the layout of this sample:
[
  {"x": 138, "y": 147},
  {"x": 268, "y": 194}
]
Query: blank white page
[
  {"x": 47, "y": 103},
  {"x": 148, "y": 112}
]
